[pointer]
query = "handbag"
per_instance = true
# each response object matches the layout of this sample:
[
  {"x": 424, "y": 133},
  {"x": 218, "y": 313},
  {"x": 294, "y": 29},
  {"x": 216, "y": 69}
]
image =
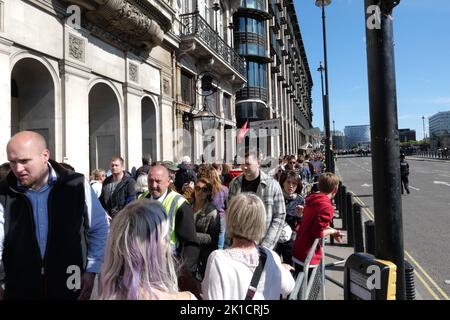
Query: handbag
[{"x": 257, "y": 274}]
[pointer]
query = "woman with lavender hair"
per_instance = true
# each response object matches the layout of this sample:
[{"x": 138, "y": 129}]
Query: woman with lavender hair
[{"x": 139, "y": 264}]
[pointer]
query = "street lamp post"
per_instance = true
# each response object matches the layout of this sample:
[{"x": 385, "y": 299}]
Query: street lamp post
[
  {"x": 385, "y": 138},
  {"x": 424, "y": 132},
  {"x": 321, "y": 69},
  {"x": 326, "y": 105}
]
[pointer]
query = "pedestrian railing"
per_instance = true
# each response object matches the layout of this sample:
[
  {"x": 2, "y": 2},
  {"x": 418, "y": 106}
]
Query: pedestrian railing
[{"x": 442, "y": 155}]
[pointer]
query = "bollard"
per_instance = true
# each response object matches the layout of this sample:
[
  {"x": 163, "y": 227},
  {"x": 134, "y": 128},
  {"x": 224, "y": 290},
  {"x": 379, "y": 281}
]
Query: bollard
[
  {"x": 409, "y": 282},
  {"x": 357, "y": 228},
  {"x": 337, "y": 198},
  {"x": 349, "y": 220},
  {"x": 369, "y": 230},
  {"x": 343, "y": 210}
]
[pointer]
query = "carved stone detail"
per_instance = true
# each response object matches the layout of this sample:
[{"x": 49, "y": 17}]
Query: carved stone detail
[
  {"x": 133, "y": 71},
  {"x": 76, "y": 48},
  {"x": 166, "y": 87},
  {"x": 128, "y": 20}
]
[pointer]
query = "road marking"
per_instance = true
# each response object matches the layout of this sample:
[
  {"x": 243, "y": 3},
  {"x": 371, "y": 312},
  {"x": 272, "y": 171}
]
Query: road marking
[
  {"x": 370, "y": 215},
  {"x": 366, "y": 185},
  {"x": 427, "y": 276},
  {"x": 431, "y": 291},
  {"x": 414, "y": 188},
  {"x": 357, "y": 165},
  {"x": 442, "y": 182},
  {"x": 447, "y": 281}
]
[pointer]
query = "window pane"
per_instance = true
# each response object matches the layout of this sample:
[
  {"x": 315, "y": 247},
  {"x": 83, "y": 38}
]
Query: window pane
[
  {"x": 242, "y": 49},
  {"x": 252, "y": 49},
  {"x": 242, "y": 24},
  {"x": 186, "y": 88}
]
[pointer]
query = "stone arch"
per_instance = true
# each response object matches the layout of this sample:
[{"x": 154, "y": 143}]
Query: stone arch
[
  {"x": 35, "y": 98},
  {"x": 104, "y": 123},
  {"x": 149, "y": 125}
]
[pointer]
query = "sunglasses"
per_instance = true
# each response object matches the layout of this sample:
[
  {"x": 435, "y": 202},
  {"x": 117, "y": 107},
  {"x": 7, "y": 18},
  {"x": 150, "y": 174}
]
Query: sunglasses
[
  {"x": 293, "y": 162},
  {"x": 204, "y": 189}
]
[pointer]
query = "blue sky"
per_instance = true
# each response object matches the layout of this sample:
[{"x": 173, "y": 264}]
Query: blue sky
[{"x": 422, "y": 57}]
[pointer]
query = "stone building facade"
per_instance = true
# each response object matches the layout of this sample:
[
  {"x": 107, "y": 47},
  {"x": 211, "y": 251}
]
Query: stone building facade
[{"x": 99, "y": 78}]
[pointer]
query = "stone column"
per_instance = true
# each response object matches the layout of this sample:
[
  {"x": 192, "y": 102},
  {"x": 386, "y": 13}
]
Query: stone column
[
  {"x": 5, "y": 93},
  {"x": 133, "y": 126},
  {"x": 75, "y": 105}
]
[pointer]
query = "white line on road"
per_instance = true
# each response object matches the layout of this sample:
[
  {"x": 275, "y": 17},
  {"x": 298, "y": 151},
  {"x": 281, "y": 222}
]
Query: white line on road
[
  {"x": 366, "y": 185},
  {"x": 417, "y": 189},
  {"x": 442, "y": 182}
]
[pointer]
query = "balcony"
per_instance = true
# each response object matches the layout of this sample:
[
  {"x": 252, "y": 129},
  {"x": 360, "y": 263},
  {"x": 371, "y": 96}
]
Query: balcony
[
  {"x": 201, "y": 40},
  {"x": 252, "y": 93},
  {"x": 254, "y": 8}
]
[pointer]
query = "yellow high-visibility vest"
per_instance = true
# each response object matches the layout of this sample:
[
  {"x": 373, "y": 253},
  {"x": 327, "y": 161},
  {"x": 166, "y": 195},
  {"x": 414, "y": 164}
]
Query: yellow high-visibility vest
[{"x": 171, "y": 203}]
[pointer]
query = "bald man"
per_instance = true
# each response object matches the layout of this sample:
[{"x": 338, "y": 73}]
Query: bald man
[
  {"x": 53, "y": 229},
  {"x": 182, "y": 226}
]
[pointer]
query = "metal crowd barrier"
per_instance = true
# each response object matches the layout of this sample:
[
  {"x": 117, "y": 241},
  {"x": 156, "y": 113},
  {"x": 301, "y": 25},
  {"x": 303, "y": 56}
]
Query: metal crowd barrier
[{"x": 311, "y": 287}]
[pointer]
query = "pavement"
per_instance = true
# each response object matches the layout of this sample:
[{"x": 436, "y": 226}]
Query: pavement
[
  {"x": 424, "y": 214},
  {"x": 336, "y": 254}
]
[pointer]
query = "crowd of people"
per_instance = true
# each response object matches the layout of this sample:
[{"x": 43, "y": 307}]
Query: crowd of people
[{"x": 162, "y": 231}]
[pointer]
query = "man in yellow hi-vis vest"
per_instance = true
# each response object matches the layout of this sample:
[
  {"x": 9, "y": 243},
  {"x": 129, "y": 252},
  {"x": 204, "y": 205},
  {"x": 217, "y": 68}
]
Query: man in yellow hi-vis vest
[{"x": 182, "y": 226}]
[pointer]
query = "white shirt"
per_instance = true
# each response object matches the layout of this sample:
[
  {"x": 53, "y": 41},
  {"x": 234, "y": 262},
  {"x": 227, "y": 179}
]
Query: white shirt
[
  {"x": 97, "y": 187},
  {"x": 161, "y": 199},
  {"x": 229, "y": 273}
]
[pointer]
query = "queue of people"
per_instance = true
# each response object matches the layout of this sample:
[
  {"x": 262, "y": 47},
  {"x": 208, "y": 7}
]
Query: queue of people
[{"x": 164, "y": 231}]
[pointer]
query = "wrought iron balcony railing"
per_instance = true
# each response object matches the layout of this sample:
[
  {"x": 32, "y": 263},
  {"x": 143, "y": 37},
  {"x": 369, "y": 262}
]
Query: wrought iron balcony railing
[{"x": 193, "y": 24}]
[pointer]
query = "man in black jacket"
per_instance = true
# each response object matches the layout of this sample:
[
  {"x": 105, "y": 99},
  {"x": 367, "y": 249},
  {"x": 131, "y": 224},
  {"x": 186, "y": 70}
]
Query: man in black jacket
[
  {"x": 404, "y": 172},
  {"x": 118, "y": 189},
  {"x": 53, "y": 229},
  {"x": 179, "y": 211}
]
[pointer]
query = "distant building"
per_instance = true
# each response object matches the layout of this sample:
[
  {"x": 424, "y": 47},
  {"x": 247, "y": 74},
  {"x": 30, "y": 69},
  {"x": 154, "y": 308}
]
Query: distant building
[
  {"x": 439, "y": 124},
  {"x": 338, "y": 140},
  {"x": 407, "y": 135},
  {"x": 357, "y": 135}
]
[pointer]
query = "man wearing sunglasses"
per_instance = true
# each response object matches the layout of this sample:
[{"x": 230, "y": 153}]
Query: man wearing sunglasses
[{"x": 268, "y": 189}]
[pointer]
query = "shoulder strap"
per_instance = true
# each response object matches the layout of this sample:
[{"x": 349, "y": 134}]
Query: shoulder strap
[{"x": 257, "y": 274}]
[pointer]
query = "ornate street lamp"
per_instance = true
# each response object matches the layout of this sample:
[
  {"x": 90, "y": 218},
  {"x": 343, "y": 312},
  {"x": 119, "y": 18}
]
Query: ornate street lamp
[
  {"x": 216, "y": 7},
  {"x": 208, "y": 119}
]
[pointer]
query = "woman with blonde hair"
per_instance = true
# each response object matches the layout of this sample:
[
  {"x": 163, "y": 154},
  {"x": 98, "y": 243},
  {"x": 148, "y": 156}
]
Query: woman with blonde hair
[
  {"x": 230, "y": 272},
  {"x": 97, "y": 178},
  {"x": 139, "y": 264}
]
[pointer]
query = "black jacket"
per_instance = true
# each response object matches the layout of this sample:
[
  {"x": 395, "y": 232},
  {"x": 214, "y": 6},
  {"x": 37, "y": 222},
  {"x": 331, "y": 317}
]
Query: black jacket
[
  {"x": 404, "y": 168},
  {"x": 124, "y": 193},
  {"x": 27, "y": 274},
  {"x": 188, "y": 244}
]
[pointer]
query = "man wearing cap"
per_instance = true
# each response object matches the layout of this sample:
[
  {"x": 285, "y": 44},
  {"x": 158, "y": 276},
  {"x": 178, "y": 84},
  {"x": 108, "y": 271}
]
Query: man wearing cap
[{"x": 173, "y": 168}]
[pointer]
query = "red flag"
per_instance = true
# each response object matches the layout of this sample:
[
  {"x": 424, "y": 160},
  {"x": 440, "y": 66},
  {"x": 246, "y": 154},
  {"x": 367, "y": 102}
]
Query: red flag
[{"x": 242, "y": 132}]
